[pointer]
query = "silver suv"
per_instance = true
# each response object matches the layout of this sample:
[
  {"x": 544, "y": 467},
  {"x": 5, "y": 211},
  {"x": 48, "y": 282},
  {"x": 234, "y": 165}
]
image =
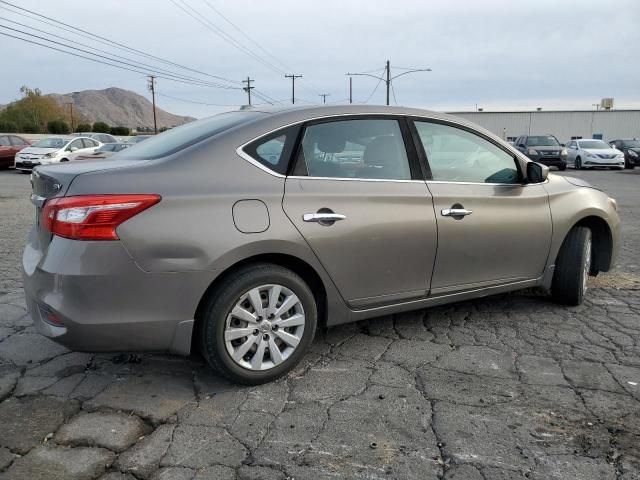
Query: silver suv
[{"x": 241, "y": 233}]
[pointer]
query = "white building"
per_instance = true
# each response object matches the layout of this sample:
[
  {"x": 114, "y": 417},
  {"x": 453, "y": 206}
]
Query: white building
[{"x": 565, "y": 125}]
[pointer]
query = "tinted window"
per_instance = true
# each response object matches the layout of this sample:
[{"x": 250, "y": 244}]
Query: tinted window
[
  {"x": 456, "y": 155},
  {"x": 76, "y": 143},
  {"x": 632, "y": 143},
  {"x": 4, "y": 142},
  {"x": 543, "y": 141},
  {"x": 369, "y": 149},
  {"x": 274, "y": 151},
  {"x": 182, "y": 137},
  {"x": 16, "y": 140}
]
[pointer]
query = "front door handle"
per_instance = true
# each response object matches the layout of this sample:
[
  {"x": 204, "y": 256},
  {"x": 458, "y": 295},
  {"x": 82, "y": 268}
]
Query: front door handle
[
  {"x": 455, "y": 212},
  {"x": 323, "y": 217}
]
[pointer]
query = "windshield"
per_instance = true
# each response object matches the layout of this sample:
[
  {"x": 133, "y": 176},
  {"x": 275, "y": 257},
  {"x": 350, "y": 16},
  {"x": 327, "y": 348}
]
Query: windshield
[
  {"x": 594, "y": 144},
  {"x": 50, "y": 143},
  {"x": 543, "y": 141},
  {"x": 632, "y": 143},
  {"x": 182, "y": 137}
]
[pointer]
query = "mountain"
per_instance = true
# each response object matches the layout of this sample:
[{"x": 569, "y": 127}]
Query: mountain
[{"x": 118, "y": 107}]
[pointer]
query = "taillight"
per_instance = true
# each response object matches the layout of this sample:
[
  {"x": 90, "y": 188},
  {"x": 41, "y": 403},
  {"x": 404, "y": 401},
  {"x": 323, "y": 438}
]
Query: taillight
[{"x": 93, "y": 217}]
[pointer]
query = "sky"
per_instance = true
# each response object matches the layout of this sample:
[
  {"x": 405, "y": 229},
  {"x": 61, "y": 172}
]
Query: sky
[{"x": 493, "y": 54}]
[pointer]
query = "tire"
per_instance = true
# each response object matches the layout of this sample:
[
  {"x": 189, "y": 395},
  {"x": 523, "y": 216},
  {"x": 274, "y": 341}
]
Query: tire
[
  {"x": 562, "y": 168},
  {"x": 578, "y": 163},
  {"x": 572, "y": 267},
  {"x": 64, "y": 160},
  {"x": 238, "y": 292}
]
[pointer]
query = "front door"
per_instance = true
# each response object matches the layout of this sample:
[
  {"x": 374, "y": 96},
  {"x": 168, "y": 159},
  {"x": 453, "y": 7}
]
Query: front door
[
  {"x": 492, "y": 228},
  {"x": 358, "y": 199}
]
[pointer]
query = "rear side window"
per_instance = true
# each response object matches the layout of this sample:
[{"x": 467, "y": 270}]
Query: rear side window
[
  {"x": 4, "y": 142},
  {"x": 16, "y": 140},
  {"x": 179, "y": 138},
  {"x": 274, "y": 150},
  {"x": 359, "y": 148},
  {"x": 456, "y": 155}
]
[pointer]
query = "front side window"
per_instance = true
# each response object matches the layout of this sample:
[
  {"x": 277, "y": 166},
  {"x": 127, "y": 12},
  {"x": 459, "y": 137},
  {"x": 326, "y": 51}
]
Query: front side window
[
  {"x": 359, "y": 148},
  {"x": 75, "y": 144},
  {"x": 456, "y": 155}
]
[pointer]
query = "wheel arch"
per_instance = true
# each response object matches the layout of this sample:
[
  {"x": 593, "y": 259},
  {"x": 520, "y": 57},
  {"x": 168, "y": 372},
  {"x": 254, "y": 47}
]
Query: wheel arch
[
  {"x": 291, "y": 262},
  {"x": 602, "y": 239}
]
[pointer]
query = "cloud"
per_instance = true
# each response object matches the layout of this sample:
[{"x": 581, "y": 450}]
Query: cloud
[{"x": 507, "y": 54}]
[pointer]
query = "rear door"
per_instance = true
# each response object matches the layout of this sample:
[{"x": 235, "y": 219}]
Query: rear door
[
  {"x": 492, "y": 229},
  {"x": 358, "y": 198}
]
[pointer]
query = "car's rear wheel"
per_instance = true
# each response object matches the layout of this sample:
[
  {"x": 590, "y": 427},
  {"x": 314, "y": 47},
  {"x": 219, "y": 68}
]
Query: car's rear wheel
[
  {"x": 573, "y": 266},
  {"x": 578, "y": 163},
  {"x": 562, "y": 167},
  {"x": 258, "y": 323}
]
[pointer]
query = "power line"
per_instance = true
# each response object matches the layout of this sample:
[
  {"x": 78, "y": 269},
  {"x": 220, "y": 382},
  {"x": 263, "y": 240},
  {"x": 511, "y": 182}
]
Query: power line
[
  {"x": 195, "y": 102},
  {"x": 374, "y": 90},
  {"x": 221, "y": 33},
  {"x": 111, "y": 57},
  {"x": 393, "y": 90},
  {"x": 166, "y": 76},
  {"x": 83, "y": 33},
  {"x": 239, "y": 30}
]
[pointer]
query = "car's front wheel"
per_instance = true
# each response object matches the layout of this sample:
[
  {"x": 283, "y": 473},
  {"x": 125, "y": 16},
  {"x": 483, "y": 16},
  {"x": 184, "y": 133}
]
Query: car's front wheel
[
  {"x": 578, "y": 163},
  {"x": 258, "y": 323},
  {"x": 573, "y": 266},
  {"x": 562, "y": 167}
]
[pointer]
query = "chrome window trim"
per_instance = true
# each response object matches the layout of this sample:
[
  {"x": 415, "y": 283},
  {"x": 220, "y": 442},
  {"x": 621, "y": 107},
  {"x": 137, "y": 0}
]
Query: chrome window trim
[
  {"x": 342, "y": 179},
  {"x": 240, "y": 149},
  {"x": 492, "y": 184}
]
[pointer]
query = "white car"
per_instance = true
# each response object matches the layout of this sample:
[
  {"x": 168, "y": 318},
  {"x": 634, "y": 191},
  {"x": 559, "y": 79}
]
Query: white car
[
  {"x": 589, "y": 153},
  {"x": 53, "y": 150}
]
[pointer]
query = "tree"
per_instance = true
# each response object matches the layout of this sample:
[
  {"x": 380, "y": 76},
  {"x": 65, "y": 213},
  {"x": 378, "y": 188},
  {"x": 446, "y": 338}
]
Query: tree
[
  {"x": 83, "y": 127},
  {"x": 33, "y": 111},
  {"x": 123, "y": 131},
  {"x": 58, "y": 127},
  {"x": 101, "y": 127},
  {"x": 7, "y": 126}
]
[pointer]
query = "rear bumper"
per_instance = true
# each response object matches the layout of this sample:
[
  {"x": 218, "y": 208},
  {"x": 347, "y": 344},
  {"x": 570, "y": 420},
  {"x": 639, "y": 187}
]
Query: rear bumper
[{"x": 101, "y": 300}]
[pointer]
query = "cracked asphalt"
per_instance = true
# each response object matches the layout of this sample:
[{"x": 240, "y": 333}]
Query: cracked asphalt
[{"x": 507, "y": 387}]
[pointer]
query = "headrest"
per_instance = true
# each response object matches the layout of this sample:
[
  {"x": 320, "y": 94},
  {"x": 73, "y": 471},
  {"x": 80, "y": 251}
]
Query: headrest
[{"x": 331, "y": 140}]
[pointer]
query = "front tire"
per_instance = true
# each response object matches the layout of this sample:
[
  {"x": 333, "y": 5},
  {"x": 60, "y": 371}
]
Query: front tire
[
  {"x": 258, "y": 324},
  {"x": 573, "y": 266},
  {"x": 562, "y": 167},
  {"x": 578, "y": 163}
]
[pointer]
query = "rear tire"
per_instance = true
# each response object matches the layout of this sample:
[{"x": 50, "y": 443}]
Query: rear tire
[
  {"x": 223, "y": 334},
  {"x": 562, "y": 168},
  {"x": 573, "y": 266}
]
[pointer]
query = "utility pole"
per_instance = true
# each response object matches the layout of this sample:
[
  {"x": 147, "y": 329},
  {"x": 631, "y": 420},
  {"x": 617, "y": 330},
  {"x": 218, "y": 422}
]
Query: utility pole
[
  {"x": 324, "y": 97},
  {"x": 386, "y": 76},
  {"x": 248, "y": 88},
  {"x": 71, "y": 113},
  {"x": 388, "y": 80},
  {"x": 152, "y": 87},
  {"x": 293, "y": 86}
]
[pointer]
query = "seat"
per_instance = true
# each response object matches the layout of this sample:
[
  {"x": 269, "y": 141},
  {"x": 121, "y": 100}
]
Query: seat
[{"x": 384, "y": 158}]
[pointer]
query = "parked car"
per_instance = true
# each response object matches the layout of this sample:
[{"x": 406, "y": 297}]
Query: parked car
[
  {"x": 101, "y": 137},
  {"x": 139, "y": 138},
  {"x": 52, "y": 150},
  {"x": 590, "y": 153},
  {"x": 105, "y": 151},
  {"x": 545, "y": 149},
  {"x": 205, "y": 236},
  {"x": 9, "y": 146},
  {"x": 630, "y": 147}
]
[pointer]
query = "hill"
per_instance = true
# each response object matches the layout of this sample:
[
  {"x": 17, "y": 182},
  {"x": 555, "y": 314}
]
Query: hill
[{"x": 118, "y": 107}]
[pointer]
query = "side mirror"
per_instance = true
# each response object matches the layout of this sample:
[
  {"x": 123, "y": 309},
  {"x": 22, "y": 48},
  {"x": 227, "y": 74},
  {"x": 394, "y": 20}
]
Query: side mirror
[
  {"x": 536, "y": 172},
  {"x": 521, "y": 145}
]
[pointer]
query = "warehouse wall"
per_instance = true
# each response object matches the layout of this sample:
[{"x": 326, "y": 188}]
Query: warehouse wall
[{"x": 611, "y": 124}]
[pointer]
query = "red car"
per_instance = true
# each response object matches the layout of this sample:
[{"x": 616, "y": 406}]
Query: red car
[{"x": 9, "y": 146}]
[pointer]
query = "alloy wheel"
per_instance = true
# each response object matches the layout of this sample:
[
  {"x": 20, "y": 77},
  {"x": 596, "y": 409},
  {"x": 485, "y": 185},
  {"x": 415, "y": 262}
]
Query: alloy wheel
[{"x": 587, "y": 264}]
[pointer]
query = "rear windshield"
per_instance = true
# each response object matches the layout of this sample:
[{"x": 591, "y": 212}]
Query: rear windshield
[
  {"x": 543, "y": 141},
  {"x": 182, "y": 137}
]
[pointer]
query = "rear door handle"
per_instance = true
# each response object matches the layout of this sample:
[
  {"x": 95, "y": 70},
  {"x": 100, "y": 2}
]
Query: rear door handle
[
  {"x": 455, "y": 212},
  {"x": 323, "y": 217}
]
